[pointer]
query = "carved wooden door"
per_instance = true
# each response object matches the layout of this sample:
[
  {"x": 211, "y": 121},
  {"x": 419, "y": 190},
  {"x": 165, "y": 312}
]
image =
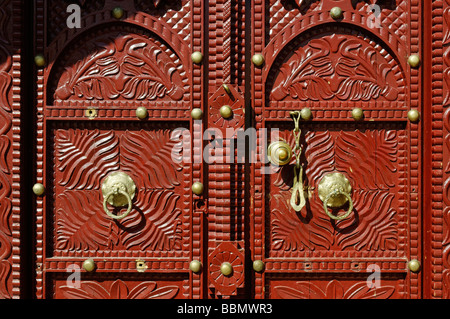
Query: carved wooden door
[
  {"x": 335, "y": 60},
  {"x": 145, "y": 188},
  {"x": 112, "y": 95}
]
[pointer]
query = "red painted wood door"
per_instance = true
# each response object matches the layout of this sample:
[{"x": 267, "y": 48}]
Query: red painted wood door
[
  {"x": 337, "y": 62},
  {"x": 162, "y": 90}
]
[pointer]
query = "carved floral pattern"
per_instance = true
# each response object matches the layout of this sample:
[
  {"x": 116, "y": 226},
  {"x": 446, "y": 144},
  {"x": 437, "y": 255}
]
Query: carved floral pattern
[
  {"x": 119, "y": 290},
  {"x": 130, "y": 67},
  {"x": 85, "y": 157},
  {"x": 226, "y": 252},
  {"x": 6, "y": 83},
  {"x": 333, "y": 290},
  {"x": 372, "y": 154},
  {"x": 335, "y": 66}
]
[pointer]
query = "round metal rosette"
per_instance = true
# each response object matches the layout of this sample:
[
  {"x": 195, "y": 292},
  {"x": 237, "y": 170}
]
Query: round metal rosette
[{"x": 279, "y": 153}]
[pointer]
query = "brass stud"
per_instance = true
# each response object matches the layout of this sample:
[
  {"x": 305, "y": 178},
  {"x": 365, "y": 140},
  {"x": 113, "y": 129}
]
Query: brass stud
[
  {"x": 195, "y": 266},
  {"x": 226, "y": 111},
  {"x": 258, "y": 265},
  {"x": 197, "y": 188},
  {"x": 39, "y": 60},
  {"x": 336, "y": 13},
  {"x": 38, "y": 189},
  {"x": 414, "y": 60},
  {"x": 117, "y": 13},
  {"x": 413, "y": 115},
  {"x": 89, "y": 265},
  {"x": 306, "y": 114},
  {"x": 414, "y": 265},
  {"x": 226, "y": 269},
  {"x": 258, "y": 59},
  {"x": 197, "y": 57},
  {"x": 141, "y": 113},
  {"x": 197, "y": 114},
  {"x": 279, "y": 153},
  {"x": 357, "y": 114}
]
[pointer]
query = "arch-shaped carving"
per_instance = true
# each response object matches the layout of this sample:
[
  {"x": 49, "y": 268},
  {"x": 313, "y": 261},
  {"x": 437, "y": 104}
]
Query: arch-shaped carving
[
  {"x": 357, "y": 21},
  {"x": 100, "y": 18},
  {"x": 124, "y": 62},
  {"x": 335, "y": 61}
]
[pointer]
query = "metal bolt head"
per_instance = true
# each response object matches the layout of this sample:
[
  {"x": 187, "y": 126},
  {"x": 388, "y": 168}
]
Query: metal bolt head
[
  {"x": 258, "y": 59},
  {"x": 195, "y": 266},
  {"x": 141, "y": 113},
  {"x": 336, "y": 13},
  {"x": 197, "y": 114},
  {"x": 226, "y": 269},
  {"x": 282, "y": 154},
  {"x": 197, "y": 57},
  {"x": 414, "y": 60},
  {"x": 414, "y": 265},
  {"x": 306, "y": 114},
  {"x": 413, "y": 115},
  {"x": 258, "y": 265},
  {"x": 226, "y": 111},
  {"x": 39, "y": 60},
  {"x": 117, "y": 13},
  {"x": 38, "y": 189},
  {"x": 357, "y": 114},
  {"x": 89, "y": 265},
  {"x": 279, "y": 153},
  {"x": 197, "y": 188}
]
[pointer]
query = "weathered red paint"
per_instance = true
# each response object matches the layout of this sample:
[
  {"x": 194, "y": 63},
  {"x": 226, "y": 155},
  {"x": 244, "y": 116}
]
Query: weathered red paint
[{"x": 86, "y": 127}]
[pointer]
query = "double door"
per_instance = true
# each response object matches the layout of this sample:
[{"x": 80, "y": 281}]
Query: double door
[{"x": 228, "y": 149}]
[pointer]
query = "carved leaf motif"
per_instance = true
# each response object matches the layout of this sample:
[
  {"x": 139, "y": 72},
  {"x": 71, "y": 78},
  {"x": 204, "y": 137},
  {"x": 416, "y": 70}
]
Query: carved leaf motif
[
  {"x": 335, "y": 66},
  {"x": 119, "y": 290},
  {"x": 85, "y": 157},
  {"x": 5, "y": 144},
  {"x": 371, "y": 154},
  {"x": 130, "y": 66},
  {"x": 5, "y": 273},
  {"x": 291, "y": 231},
  {"x": 377, "y": 225},
  {"x": 158, "y": 157},
  {"x": 156, "y": 225},
  {"x": 333, "y": 290},
  {"x": 81, "y": 222}
]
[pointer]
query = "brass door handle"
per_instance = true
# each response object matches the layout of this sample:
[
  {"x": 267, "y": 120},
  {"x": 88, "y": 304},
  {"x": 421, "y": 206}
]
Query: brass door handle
[
  {"x": 118, "y": 190},
  {"x": 335, "y": 190}
]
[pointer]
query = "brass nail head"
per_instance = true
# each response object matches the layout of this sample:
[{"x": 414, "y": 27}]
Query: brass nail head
[
  {"x": 195, "y": 266},
  {"x": 336, "y": 13},
  {"x": 89, "y": 265},
  {"x": 141, "y": 113},
  {"x": 414, "y": 60},
  {"x": 197, "y": 114},
  {"x": 197, "y": 57},
  {"x": 197, "y": 188},
  {"x": 413, "y": 115},
  {"x": 226, "y": 268},
  {"x": 357, "y": 114},
  {"x": 226, "y": 112},
  {"x": 38, "y": 189},
  {"x": 258, "y": 59},
  {"x": 117, "y": 13}
]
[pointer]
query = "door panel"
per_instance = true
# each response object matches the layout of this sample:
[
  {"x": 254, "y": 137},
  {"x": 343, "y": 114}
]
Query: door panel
[
  {"x": 116, "y": 96},
  {"x": 332, "y": 65}
]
